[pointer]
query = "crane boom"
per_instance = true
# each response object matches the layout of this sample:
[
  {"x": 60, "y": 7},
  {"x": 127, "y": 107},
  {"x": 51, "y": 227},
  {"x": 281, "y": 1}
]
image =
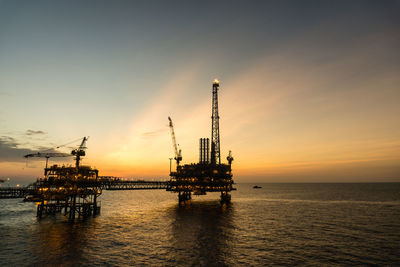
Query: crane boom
[
  {"x": 83, "y": 143},
  {"x": 178, "y": 153},
  {"x": 47, "y": 155}
]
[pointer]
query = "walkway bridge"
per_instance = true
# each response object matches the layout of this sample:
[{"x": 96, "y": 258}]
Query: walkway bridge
[
  {"x": 14, "y": 192},
  {"x": 105, "y": 183}
]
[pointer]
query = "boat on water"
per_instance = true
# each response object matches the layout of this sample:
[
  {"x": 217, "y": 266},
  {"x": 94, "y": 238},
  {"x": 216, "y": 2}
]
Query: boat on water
[{"x": 256, "y": 187}]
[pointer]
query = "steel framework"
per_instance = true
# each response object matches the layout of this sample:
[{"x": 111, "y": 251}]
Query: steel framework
[
  {"x": 215, "y": 143},
  {"x": 209, "y": 175}
]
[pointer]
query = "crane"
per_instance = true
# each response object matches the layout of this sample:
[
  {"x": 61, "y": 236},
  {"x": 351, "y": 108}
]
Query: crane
[
  {"x": 178, "y": 153},
  {"x": 77, "y": 152},
  {"x": 80, "y": 151}
]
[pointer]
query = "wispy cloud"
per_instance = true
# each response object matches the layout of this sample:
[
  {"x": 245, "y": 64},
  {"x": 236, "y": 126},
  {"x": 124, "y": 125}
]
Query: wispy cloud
[
  {"x": 10, "y": 150},
  {"x": 5, "y": 94},
  {"x": 33, "y": 132}
]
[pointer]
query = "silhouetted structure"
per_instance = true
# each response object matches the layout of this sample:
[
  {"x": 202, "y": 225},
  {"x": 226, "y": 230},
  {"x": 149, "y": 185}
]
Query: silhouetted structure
[
  {"x": 30, "y": 193},
  {"x": 178, "y": 152},
  {"x": 204, "y": 150},
  {"x": 74, "y": 190},
  {"x": 215, "y": 146},
  {"x": 209, "y": 175}
]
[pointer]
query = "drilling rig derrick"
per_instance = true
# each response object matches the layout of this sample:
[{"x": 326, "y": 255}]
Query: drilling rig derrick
[
  {"x": 209, "y": 175},
  {"x": 215, "y": 145}
]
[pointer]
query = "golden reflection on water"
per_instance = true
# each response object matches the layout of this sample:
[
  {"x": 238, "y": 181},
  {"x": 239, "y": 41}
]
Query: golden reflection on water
[
  {"x": 205, "y": 229},
  {"x": 58, "y": 242},
  {"x": 321, "y": 224},
  {"x": 196, "y": 234}
]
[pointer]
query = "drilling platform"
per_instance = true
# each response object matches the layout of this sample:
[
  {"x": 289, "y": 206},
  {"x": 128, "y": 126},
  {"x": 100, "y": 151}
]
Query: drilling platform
[
  {"x": 209, "y": 174},
  {"x": 72, "y": 189}
]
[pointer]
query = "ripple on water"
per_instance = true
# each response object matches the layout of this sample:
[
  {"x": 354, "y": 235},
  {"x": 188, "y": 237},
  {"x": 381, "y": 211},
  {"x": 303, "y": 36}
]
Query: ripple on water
[{"x": 280, "y": 224}]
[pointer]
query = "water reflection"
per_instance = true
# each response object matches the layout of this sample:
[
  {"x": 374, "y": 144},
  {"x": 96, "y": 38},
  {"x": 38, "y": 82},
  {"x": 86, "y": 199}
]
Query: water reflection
[
  {"x": 202, "y": 234},
  {"x": 62, "y": 243}
]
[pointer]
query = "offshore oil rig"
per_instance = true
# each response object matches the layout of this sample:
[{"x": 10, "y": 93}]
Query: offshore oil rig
[
  {"x": 209, "y": 174},
  {"x": 74, "y": 190},
  {"x": 71, "y": 189}
]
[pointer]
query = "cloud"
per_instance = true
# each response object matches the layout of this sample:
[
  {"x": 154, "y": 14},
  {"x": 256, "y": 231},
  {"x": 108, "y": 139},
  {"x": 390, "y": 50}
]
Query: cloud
[
  {"x": 4, "y": 93},
  {"x": 11, "y": 150},
  {"x": 33, "y": 132}
]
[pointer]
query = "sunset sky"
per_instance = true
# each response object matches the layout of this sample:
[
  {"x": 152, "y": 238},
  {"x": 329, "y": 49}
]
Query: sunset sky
[{"x": 309, "y": 92}]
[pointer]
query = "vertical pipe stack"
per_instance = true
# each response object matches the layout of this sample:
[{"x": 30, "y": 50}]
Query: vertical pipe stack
[
  {"x": 201, "y": 150},
  {"x": 204, "y": 150}
]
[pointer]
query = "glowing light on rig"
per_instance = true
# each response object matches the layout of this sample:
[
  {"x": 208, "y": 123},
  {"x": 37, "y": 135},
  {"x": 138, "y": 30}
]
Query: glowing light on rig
[{"x": 216, "y": 81}]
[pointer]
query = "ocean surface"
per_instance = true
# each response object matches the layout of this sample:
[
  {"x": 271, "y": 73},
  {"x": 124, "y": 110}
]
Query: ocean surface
[{"x": 279, "y": 224}]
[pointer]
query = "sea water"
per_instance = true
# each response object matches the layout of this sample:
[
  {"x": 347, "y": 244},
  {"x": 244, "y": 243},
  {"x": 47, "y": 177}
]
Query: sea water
[{"x": 278, "y": 224}]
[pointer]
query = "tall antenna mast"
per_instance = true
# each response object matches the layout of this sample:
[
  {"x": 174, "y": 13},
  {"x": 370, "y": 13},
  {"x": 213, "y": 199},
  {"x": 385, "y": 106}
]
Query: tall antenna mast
[{"x": 215, "y": 145}]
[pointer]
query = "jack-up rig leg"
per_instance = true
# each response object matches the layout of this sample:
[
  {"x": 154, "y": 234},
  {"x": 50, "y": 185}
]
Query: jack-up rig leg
[
  {"x": 40, "y": 208},
  {"x": 184, "y": 196},
  {"x": 225, "y": 197}
]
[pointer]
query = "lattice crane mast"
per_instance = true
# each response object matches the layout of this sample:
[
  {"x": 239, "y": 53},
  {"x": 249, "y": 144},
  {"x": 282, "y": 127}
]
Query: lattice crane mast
[
  {"x": 178, "y": 153},
  {"x": 80, "y": 151}
]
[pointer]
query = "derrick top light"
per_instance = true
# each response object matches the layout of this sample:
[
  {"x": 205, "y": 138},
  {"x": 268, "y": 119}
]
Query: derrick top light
[{"x": 216, "y": 81}]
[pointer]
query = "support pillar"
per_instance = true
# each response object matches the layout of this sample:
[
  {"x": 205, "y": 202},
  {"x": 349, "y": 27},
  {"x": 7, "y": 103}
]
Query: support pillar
[
  {"x": 72, "y": 208},
  {"x": 225, "y": 197},
  {"x": 94, "y": 205},
  {"x": 184, "y": 196},
  {"x": 40, "y": 210}
]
